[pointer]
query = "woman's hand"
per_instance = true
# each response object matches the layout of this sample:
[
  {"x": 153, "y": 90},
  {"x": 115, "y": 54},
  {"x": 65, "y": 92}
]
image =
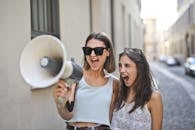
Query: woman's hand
[{"x": 63, "y": 92}]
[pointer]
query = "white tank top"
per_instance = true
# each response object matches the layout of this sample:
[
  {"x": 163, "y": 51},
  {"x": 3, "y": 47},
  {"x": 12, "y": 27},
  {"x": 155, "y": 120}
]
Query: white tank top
[{"x": 92, "y": 104}]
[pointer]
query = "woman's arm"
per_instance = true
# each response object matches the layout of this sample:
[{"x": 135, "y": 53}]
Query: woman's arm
[
  {"x": 156, "y": 109},
  {"x": 63, "y": 94}
]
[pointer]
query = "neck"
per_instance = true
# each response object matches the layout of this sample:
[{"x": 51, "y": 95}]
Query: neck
[
  {"x": 95, "y": 74},
  {"x": 131, "y": 95}
]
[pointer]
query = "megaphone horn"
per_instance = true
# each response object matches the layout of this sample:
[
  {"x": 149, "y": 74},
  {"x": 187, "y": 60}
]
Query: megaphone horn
[{"x": 43, "y": 62}]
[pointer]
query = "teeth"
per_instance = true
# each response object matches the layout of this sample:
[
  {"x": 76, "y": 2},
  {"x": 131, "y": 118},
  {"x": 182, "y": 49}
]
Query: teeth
[{"x": 94, "y": 60}]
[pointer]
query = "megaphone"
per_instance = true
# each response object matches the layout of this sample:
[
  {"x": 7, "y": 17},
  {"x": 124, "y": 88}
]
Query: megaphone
[{"x": 43, "y": 62}]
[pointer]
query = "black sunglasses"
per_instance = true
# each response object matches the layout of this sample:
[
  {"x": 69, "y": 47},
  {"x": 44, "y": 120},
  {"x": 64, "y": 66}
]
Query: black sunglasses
[{"x": 98, "y": 50}]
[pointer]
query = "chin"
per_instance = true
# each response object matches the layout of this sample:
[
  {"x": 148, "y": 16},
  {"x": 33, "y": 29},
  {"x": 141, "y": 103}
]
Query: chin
[
  {"x": 127, "y": 84},
  {"x": 95, "y": 68}
]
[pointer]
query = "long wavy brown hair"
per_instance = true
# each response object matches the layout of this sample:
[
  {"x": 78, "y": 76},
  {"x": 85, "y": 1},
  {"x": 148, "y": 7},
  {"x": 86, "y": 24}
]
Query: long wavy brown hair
[{"x": 142, "y": 84}]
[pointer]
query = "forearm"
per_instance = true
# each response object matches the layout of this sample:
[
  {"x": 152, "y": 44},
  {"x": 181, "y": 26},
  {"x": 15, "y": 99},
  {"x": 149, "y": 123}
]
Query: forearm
[{"x": 63, "y": 111}]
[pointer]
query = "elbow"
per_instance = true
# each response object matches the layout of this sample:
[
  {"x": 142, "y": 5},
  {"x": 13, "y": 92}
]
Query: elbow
[{"x": 66, "y": 116}]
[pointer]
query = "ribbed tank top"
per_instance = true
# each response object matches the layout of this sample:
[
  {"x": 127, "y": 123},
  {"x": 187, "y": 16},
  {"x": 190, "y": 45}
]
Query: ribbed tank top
[{"x": 92, "y": 104}]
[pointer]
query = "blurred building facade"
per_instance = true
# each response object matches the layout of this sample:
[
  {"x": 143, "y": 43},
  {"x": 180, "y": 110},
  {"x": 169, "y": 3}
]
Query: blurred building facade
[
  {"x": 180, "y": 37},
  {"x": 150, "y": 38},
  {"x": 71, "y": 21}
]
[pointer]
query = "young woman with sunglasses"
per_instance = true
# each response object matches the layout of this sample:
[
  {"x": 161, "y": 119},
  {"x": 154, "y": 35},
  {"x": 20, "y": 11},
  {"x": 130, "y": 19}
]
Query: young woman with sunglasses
[
  {"x": 94, "y": 95},
  {"x": 139, "y": 104}
]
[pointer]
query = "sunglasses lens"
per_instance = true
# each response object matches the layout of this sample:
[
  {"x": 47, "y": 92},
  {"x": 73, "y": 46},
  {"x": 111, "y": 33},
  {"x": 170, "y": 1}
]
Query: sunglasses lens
[
  {"x": 87, "y": 50},
  {"x": 99, "y": 50}
]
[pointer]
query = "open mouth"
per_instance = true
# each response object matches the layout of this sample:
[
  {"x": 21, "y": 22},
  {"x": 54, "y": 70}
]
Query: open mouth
[
  {"x": 94, "y": 62},
  {"x": 125, "y": 78}
]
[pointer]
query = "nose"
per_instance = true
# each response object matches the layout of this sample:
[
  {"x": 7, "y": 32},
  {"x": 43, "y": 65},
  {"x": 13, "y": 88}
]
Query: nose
[
  {"x": 93, "y": 53},
  {"x": 122, "y": 69}
]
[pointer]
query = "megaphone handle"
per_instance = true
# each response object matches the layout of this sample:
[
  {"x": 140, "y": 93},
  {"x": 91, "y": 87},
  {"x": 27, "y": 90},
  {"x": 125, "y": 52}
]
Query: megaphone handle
[
  {"x": 66, "y": 103},
  {"x": 70, "y": 106},
  {"x": 70, "y": 81}
]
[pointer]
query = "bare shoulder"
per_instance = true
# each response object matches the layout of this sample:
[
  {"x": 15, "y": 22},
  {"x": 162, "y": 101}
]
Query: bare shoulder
[
  {"x": 156, "y": 95},
  {"x": 155, "y": 100}
]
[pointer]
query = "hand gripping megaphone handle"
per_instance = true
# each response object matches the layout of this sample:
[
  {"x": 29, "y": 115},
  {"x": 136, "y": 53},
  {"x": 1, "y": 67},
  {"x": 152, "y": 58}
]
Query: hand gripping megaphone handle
[
  {"x": 64, "y": 101},
  {"x": 75, "y": 77},
  {"x": 72, "y": 73}
]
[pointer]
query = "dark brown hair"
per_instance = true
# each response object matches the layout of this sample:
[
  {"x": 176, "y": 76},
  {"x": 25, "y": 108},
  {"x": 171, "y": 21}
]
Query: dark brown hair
[
  {"x": 109, "y": 65},
  {"x": 142, "y": 84}
]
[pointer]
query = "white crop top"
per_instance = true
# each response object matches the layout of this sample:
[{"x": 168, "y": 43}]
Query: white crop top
[{"x": 92, "y": 104}]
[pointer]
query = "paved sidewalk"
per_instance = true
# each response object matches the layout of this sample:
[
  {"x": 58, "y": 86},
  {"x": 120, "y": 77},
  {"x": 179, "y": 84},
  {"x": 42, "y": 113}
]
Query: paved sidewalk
[
  {"x": 178, "y": 99},
  {"x": 190, "y": 89}
]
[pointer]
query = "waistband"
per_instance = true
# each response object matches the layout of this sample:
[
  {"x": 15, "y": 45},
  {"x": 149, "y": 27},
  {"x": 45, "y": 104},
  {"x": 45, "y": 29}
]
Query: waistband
[{"x": 98, "y": 127}]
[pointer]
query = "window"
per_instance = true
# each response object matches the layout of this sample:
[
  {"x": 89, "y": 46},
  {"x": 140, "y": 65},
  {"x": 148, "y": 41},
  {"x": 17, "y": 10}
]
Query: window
[{"x": 44, "y": 17}]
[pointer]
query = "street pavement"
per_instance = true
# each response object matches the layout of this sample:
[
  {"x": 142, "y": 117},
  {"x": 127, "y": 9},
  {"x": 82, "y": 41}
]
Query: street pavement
[{"x": 178, "y": 94}]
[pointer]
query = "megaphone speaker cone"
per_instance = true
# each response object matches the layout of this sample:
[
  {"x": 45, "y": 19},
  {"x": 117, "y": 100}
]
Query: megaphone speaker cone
[{"x": 32, "y": 71}]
